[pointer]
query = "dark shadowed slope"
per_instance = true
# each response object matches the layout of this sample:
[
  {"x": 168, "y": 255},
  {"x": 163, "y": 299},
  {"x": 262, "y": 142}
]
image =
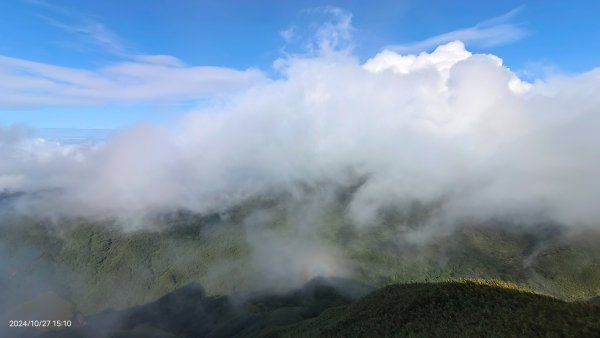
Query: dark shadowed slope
[
  {"x": 325, "y": 308},
  {"x": 188, "y": 312}
]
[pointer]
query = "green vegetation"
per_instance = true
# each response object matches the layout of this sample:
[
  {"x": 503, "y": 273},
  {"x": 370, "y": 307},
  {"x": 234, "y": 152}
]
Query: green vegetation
[
  {"x": 451, "y": 309},
  {"x": 98, "y": 266},
  {"x": 323, "y": 308}
]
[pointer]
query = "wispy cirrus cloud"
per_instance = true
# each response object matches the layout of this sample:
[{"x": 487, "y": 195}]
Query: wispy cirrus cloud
[
  {"x": 93, "y": 32},
  {"x": 136, "y": 78},
  {"x": 144, "y": 79},
  {"x": 492, "y": 32},
  {"x": 85, "y": 28}
]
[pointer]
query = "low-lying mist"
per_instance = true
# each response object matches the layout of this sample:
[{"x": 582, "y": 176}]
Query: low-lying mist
[{"x": 450, "y": 128}]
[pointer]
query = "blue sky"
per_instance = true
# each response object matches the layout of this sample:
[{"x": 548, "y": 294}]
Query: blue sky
[{"x": 241, "y": 40}]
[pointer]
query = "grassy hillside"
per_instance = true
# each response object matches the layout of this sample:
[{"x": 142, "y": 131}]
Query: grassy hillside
[{"x": 452, "y": 309}]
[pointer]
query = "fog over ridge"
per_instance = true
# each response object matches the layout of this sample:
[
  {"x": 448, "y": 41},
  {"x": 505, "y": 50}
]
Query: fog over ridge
[{"x": 447, "y": 125}]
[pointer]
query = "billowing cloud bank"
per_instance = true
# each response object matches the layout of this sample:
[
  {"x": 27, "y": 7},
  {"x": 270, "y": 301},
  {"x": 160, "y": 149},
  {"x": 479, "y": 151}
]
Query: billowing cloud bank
[{"x": 448, "y": 126}]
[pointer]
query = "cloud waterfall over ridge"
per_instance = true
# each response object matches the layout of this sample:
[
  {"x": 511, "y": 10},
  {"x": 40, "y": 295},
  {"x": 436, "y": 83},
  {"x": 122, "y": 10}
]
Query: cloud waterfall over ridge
[{"x": 447, "y": 126}]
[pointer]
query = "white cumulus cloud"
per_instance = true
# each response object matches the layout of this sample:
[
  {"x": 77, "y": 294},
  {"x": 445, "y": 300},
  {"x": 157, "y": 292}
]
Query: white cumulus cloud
[{"x": 447, "y": 126}]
